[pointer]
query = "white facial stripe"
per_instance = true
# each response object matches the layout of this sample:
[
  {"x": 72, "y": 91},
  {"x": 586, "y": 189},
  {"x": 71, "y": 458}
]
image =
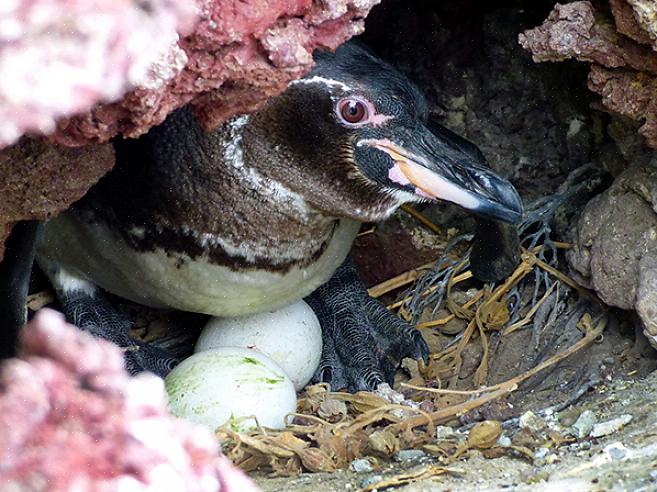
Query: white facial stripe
[{"x": 324, "y": 81}]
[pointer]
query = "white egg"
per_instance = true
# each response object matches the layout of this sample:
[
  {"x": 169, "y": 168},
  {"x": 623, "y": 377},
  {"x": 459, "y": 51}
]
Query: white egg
[
  {"x": 291, "y": 336},
  {"x": 222, "y": 385}
]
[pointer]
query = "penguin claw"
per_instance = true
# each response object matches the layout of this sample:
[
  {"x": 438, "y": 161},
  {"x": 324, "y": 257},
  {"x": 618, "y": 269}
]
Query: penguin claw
[
  {"x": 95, "y": 314},
  {"x": 364, "y": 344}
]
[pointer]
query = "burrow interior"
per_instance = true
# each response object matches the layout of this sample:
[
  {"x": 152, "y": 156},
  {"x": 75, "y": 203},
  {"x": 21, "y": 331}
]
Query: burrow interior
[{"x": 536, "y": 124}]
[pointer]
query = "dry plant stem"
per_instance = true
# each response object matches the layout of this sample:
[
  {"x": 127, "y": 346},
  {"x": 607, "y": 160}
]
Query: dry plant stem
[
  {"x": 450, "y": 317},
  {"x": 366, "y": 232},
  {"x": 448, "y": 413},
  {"x": 527, "y": 319},
  {"x": 525, "y": 267},
  {"x": 591, "y": 335},
  {"x": 420, "y": 217},
  {"x": 505, "y": 387},
  {"x": 565, "y": 279},
  {"x": 406, "y": 478},
  {"x": 441, "y": 391},
  {"x": 481, "y": 373},
  {"x": 399, "y": 281},
  {"x": 462, "y": 277},
  {"x": 376, "y": 414}
]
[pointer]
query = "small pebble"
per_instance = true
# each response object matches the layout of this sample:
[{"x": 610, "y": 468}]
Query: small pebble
[
  {"x": 653, "y": 474},
  {"x": 444, "y": 432},
  {"x": 370, "y": 480},
  {"x": 504, "y": 441},
  {"x": 387, "y": 393},
  {"x": 530, "y": 421},
  {"x": 584, "y": 424},
  {"x": 610, "y": 426},
  {"x": 616, "y": 451},
  {"x": 541, "y": 453},
  {"x": 361, "y": 466},
  {"x": 409, "y": 455}
]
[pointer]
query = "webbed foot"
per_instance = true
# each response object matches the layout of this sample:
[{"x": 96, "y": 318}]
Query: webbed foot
[
  {"x": 88, "y": 307},
  {"x": 364, "y": 343}
]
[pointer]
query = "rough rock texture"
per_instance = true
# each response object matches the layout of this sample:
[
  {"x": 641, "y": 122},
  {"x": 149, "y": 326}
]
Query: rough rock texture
[
  {"x": 624, "y": 72},
  {"x": 60, "y": 57},
  {"x": 37, "y": 179},
  {"x": 240, "y": 53},
  {"x": 645, "y": 12},
  {"x": 616, "y": 236},
  {"x": 615, "y": 249},
  {"x": 71, "y": 418},
  {"x": 626, "y": 22}
]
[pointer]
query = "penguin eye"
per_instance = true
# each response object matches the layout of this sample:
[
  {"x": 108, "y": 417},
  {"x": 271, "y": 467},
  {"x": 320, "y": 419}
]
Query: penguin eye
[{"x": 353, "y": 110}]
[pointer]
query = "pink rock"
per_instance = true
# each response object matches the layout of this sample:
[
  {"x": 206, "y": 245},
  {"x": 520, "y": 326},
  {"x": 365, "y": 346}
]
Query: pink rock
[
  {"x": 71, "y": 418},
  {"x": 240, "y": 53},
  {"x": 60, "y": 57}
]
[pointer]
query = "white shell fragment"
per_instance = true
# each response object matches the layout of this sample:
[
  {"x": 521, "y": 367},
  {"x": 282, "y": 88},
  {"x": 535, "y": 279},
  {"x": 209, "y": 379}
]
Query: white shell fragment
[
  {"x": 291, "y": 336},
  {"x": 226, "y": 384},
  {"x": 610, "y": 426}
]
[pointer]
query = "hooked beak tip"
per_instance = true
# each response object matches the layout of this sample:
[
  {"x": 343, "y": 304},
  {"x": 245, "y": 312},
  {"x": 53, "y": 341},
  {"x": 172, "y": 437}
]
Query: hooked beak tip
[{"x": 507, "y": 205}]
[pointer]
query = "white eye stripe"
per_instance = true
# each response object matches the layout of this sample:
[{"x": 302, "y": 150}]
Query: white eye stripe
[{"x": 324, "y": 81}]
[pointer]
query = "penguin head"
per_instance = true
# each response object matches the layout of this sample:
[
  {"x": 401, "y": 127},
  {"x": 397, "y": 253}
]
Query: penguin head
[{"x": 354, "y": 138}]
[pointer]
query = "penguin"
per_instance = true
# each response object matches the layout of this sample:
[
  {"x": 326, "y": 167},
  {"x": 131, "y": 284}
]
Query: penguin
[{"x": 262, "y": 212}]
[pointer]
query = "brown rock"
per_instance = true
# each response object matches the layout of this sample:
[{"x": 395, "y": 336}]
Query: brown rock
[
  {"x": 646, "y": 295},
  {"x": 629, "y": 93},
  {"x": 38, "y": 179},
  {"x": 626, "y": 22},
  {"x": 623, "y": 72},
  {"x": 615, "y": 245},
  {"x": 645, "y": 12},
  {"x": 576, "y": 30}
]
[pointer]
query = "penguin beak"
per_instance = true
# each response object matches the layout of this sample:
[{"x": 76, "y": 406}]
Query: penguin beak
[{"x": 441, "y": 169}]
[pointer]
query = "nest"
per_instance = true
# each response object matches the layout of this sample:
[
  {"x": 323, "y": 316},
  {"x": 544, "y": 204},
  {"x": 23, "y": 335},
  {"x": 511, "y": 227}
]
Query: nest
[{"x": 330, "y": 429}]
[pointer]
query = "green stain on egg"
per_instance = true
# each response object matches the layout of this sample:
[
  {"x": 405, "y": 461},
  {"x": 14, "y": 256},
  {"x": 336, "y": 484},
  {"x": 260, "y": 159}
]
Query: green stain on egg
[{"x": 275, "y": 380}]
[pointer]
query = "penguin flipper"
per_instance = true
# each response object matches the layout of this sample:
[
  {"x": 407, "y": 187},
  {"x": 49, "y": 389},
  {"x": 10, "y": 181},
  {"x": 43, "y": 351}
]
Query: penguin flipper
[
  {"x": 15, "y": 272},
  {"x": 89, "y": 308},
  {"x": 364, "y": 343}
]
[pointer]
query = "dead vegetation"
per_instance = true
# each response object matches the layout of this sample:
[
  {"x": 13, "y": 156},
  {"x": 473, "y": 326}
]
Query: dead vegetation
[{"x": 331, "y": 429}]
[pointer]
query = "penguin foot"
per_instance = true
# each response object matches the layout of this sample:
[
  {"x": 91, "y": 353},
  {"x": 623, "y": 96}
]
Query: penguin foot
[
  {"x": 364, "y": 343},
  {"x": 87, "y": 307}
]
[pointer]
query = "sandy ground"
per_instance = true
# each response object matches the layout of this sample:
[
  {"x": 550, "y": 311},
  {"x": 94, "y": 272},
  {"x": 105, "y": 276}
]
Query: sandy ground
[{"x": 625, "y": 460}]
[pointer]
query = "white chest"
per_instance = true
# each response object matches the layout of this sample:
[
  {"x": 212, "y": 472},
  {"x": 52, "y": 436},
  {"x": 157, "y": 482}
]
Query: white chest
[{"x": 95, "y": 253}]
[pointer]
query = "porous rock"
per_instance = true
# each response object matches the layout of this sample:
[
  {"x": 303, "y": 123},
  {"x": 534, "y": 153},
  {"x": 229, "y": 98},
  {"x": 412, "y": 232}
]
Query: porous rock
[
  {"x": 615, "y": 250},
  {"x": 71, "y": 418},
  {"x": 626, "y": 22},
  {"x": 38, "y": 179},
  {"x": 240, "y": 53},
  {"x": 59, "y": 58},
  {"x": 624, "y": 68}
]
